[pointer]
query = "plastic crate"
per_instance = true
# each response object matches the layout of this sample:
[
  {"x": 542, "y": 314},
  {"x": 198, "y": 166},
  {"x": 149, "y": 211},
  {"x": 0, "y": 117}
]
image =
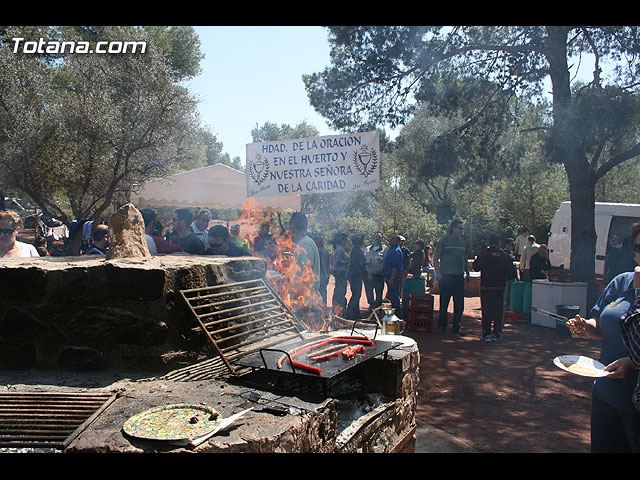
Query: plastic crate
[
  {"x": 420, "y": 322},
  {"x": 420, "y": 313},
  {"x": 600, "y": 282},
  {"x": 511, "y": 317},
  {"x": 561, "y": 276},
  {"x": 420, "y": 302}
]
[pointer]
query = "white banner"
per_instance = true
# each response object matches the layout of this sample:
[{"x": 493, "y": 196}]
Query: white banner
[{"x": 335, "y": 163}]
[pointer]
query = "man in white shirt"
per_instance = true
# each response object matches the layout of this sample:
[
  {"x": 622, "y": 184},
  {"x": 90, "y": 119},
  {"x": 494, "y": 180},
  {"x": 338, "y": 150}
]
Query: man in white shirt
[
  {"x": 529, "y": 250},
  {"x": 521, "y": 242},
  {"x": 149, "y": 216}
]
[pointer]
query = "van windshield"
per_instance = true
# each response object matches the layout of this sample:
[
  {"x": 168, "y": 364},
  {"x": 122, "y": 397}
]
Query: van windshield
[{"x": 621, "y": 228}]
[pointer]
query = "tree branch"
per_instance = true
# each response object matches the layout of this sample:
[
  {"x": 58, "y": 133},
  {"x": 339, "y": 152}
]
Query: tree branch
[
  {"x": 616, "y": 160},
  {"x": 596, "y": 54}
]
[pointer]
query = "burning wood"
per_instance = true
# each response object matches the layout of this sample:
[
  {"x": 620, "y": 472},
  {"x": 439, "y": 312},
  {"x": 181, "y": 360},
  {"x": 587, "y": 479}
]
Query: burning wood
[{"x": 293, "y": 282}]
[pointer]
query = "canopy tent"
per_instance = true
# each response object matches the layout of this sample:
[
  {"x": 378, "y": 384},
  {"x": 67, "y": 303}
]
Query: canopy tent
[{"x": 215, "y": 186}]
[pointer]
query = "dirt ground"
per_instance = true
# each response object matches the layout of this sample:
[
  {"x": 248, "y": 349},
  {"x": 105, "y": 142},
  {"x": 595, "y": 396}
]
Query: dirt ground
[{"x": 504, "y": 396}]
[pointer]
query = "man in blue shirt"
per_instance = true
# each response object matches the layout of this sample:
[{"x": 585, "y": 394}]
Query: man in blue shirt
[{"x": 392, "y": 269}]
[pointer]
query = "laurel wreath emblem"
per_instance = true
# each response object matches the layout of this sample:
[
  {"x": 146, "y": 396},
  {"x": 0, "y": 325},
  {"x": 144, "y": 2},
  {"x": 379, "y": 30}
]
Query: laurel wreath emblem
[
  {"x": 259, "y": 169},
  {"x": 365, "y": 160}
]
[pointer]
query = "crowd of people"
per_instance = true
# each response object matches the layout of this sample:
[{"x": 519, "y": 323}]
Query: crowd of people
[{"x": 375, "y": 269}]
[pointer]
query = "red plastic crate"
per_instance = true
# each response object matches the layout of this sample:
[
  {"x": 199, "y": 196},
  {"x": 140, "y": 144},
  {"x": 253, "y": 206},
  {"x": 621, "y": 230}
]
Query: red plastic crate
[
  {"x": 420, "y": 301},
  {"x": 561, "y": 275},
  {"x": 420, "y": 323},
  {"x": 600, "y": 282},
  {"x": 420, "y": 313},
  {"x": 512, "y": 317}
]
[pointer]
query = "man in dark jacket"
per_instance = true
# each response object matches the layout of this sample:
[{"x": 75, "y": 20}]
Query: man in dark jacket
[
  {"x": 356, "y": 272},
  {"x": 495, "y": 267},
  {"x": 182, "y": 234},
  {"x": 539, "y": 264},
  {"x": 417, "y": 259}
]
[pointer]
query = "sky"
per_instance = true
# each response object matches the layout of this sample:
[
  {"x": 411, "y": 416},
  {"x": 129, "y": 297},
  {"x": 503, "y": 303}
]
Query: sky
[{"x": 252, "y": 75}]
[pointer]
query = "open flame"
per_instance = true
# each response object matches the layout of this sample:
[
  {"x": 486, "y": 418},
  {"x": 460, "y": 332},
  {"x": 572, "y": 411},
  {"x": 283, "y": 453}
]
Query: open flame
[{"x": 291, "y": 280}]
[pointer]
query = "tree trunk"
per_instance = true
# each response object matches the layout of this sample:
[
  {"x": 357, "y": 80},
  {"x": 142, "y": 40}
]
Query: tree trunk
[
  {"x": 565, "y": 150},
  {"x": 72, "y": 248},
  {"x": 582, "y": 191}
]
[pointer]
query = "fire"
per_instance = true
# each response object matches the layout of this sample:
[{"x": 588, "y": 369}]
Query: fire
[{"x": 294, "y": 283}]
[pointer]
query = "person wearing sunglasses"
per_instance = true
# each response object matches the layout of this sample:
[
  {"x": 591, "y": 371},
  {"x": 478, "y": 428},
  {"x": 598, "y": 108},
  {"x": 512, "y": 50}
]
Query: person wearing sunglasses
[
  {"x": 220, "y": 243},
  {"x": 10, "y": 225},
  {"x": 615, "y": 422}
]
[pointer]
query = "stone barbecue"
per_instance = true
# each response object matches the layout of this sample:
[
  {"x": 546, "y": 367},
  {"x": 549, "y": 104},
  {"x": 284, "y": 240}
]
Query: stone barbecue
[{"x": 94, "y": 316}]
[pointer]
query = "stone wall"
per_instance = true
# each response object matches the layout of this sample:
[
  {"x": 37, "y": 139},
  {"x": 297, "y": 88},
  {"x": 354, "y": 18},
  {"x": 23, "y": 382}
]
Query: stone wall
[
  {"x": 390, "y": 425},
  {"x": 89, "y": 313}
]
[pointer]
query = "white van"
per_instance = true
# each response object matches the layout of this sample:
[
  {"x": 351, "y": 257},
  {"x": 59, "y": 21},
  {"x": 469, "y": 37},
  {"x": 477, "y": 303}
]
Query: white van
[{"x": 610, "y": 219}]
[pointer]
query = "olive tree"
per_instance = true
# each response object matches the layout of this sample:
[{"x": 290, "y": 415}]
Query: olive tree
[{"x": 77, "y": 130}]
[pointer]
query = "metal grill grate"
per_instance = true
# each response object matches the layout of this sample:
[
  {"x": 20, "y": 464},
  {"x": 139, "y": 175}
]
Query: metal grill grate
[
  {"x": 47, "y": 420},
  {"x": 241, "y": 318}
]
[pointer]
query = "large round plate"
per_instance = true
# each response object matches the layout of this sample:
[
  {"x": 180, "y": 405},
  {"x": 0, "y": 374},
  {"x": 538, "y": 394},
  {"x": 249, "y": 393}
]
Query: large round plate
[
  {"x": 579, "y": 365},
  {"x": 406, "y": 341},
  {"x": 173, "y": 422}
]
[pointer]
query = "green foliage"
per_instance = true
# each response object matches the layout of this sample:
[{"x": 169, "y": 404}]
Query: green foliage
[
  {"x": 376, "y": 70},
  {"x": 270, "y": 132},
  {"x": 620, "y": 185},
  {"x": 531, "y": 197},
  {"x": 78, "y": 130}
]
